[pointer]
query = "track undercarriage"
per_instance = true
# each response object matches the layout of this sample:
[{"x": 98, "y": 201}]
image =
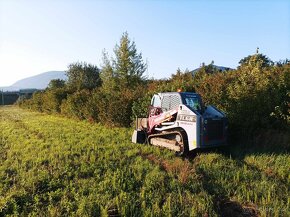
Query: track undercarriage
[{"x": 175, "y": 140}]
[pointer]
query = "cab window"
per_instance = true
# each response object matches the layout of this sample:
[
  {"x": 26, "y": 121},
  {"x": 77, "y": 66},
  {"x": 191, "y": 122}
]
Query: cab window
[
  {"x": 193, "y": 102},
  {"x": 156, "y": 101}
]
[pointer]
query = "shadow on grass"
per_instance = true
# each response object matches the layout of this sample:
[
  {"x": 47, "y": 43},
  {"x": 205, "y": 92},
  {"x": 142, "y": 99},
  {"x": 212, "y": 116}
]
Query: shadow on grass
[
  {"x": 223, "y": 205},
  {"x": 271, "y": 142},
  {"x": 278, "y": 144}
]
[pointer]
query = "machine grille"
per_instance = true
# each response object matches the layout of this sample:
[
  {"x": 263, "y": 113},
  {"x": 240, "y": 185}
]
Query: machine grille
[
  {"x": 215, "y": 129},
  {"x": 165, "y": 103},
  {"x": 170, "y": 102},
  {"x": 175, "y": 101}
]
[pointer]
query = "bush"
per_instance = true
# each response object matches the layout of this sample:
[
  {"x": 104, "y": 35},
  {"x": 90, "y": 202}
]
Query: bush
[
  {"x": 115, "y": 109},
  {"x": 254, "y": 96},
  {"x": 140, "y": 106},
  {"x": 35, "y": 103},
  {"x": 52, "y": 100},
  {"x": 80, "y": 105}
]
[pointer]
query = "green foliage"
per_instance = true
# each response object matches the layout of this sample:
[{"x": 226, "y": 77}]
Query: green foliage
[
  {"x": 83, "y": 76},
  {"x": 107, "y": 74},
  {"x": 80, "y": 105},
  {"x": 52, "y": 100},
  {"x": 56, "y": 83},
  {"x": 255, "y": 60},
  {"x": 125, "y": 69},
  {"x": 281, "y": 88},
  {"x": 106, "y": 97},
  {"x": 51, "y": 165},
  {"x": 122, "y": 84},
  {"x": 115, "y": 108},
  {"x": 128, "y": 63},
  {"x": 140, "y": 106},
  {"x": 179, "y": 81},
  {"x": 254, "y": 96},
  {"x": 35, "y": 103},
  {"x": 203, "y": 72},
  {"x": 48, "y": 101}
]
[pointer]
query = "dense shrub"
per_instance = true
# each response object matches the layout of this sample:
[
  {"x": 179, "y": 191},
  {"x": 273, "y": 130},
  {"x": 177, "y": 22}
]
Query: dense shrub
[
  {"x": 255, "y": 96},
  {"x": 52, "y": 100},
  {"x": 140, "y": 106},
  {"x": 115, "y": 108},
  {"x": 48, "y": 101},
  {"x": 35, "y": 103},
  {"x": 80, "y": 105},
  {"x": 83, "y": 76}
]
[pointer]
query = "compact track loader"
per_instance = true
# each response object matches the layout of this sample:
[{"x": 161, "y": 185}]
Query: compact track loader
[{"x": 179, "y": 121}]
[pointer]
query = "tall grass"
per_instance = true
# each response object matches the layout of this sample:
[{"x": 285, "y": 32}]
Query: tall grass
[{"x": 54, "y": 166}]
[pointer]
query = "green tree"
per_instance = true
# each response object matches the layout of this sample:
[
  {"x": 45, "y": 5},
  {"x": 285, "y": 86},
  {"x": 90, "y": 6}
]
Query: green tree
[
  {"x": 122, "y": 83},
  {"x": 56, "y": 83},
  {"x": 52, "y": 100},
  {"x": 203, "y": 72},
  {"x": 80, "y": 105},
  {"x": 83, "y": 76},
  {"x": 128, "y": 64},
  {"x": 256, "y": 60},
  {"x": 181, "y": 81},
  {"x": 107, "y": 74}
]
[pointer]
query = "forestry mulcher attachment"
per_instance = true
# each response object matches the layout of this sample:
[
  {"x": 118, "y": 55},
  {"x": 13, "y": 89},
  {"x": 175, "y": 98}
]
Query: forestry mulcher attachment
[{"x": 179, "y": 121}]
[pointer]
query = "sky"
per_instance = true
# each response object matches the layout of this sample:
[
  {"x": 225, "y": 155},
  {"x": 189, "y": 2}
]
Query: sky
[{"x": 46, "y": 35}]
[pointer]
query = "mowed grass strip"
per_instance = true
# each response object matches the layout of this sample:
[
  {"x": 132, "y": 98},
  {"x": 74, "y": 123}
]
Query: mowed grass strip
[{"x": 54, "y": 166}]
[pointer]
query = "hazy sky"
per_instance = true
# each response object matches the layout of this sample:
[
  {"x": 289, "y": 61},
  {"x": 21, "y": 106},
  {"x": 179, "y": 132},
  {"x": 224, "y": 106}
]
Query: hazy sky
[{"x": 38, "y": 36}]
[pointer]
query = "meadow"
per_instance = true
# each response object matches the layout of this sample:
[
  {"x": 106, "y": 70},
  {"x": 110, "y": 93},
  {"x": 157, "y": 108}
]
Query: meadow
[{"x": 56, "y": 166}]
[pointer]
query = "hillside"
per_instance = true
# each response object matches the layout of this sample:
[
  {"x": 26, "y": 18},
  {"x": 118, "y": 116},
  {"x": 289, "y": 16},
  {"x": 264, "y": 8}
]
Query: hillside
[
  {"x": 54, "y": 166},
  {"x": 39, "y": 81}
]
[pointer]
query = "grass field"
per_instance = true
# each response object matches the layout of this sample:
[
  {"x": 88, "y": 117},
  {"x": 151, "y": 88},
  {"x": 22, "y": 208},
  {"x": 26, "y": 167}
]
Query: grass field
[{"x": 54, "y": 166}]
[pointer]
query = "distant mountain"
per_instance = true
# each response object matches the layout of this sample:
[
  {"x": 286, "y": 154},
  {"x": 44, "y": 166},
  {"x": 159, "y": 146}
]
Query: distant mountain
[
  {"x": 219, "y": 68},
  {"x": 36, "y": 82}
]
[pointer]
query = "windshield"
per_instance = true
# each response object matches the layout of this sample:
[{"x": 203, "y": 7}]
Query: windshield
[{"x": 192, "y": 102}]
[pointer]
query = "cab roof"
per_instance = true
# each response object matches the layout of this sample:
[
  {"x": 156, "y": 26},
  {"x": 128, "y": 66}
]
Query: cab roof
[{"x": 178, "y": 93}]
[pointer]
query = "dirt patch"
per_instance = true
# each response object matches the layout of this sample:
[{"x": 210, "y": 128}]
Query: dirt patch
[{"x": 182, "y": 169}]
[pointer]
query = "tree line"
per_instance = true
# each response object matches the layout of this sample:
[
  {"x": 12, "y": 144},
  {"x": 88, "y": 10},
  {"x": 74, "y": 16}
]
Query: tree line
[{"x": 255, "y": 96}]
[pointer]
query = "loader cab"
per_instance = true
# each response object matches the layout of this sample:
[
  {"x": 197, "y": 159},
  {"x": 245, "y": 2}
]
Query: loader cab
[{"x": 168, "y": 101}]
